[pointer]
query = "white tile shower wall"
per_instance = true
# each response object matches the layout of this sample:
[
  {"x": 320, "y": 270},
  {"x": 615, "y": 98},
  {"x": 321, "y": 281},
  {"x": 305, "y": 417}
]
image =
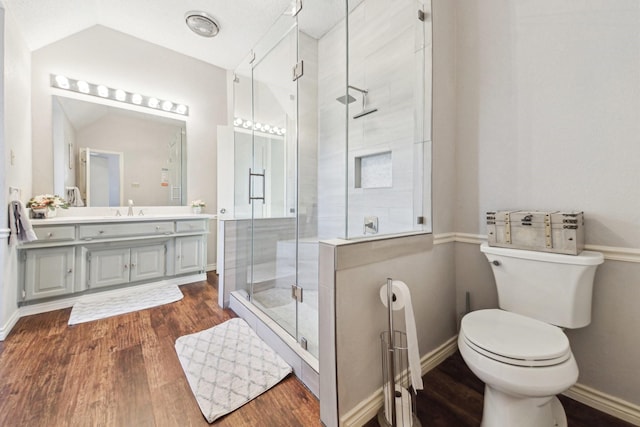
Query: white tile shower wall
[
  {"x": 382, "y": 55},
  {"x": 308, "y": 139},
  {"x": 331, "y": 133}
]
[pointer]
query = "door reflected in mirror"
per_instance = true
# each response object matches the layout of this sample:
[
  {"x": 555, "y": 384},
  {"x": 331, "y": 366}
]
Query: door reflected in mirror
[{"x": 107, "y": 155}]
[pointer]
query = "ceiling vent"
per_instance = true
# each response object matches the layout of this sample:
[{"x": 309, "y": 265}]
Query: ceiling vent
[{"x": 202, "y": 23}]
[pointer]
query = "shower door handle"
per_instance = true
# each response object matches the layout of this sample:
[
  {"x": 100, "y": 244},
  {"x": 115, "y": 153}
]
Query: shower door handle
[{"x": 251, "y": 175}]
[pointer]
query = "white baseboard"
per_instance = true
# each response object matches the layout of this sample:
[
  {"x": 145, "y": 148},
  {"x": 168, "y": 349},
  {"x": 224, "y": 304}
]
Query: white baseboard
[
  {"x": 606, "y": 403},
  {"x": 368, "y": 408},
  {"x": 7, "y": 327},
  {"x": 212, "y": 267}
]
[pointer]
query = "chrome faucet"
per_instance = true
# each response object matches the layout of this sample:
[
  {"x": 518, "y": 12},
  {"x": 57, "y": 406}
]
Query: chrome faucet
[{"x": 130, "y": 211}]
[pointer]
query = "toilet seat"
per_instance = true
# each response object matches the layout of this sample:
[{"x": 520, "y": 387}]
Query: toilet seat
[{"x": 514, "y": 339}]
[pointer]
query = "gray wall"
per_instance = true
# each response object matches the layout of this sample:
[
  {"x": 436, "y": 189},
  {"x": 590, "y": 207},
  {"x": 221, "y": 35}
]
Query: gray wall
[
  {"x": 16, "y": 154},
  {"x": 548, "y": 101}
]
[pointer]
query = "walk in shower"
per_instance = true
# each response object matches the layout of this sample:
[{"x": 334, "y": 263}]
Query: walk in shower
[{"x": 330, "y": 140}]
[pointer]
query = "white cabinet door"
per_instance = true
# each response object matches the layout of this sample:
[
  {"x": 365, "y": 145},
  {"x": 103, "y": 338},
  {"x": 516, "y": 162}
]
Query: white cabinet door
[
  {"x": 189, "y": 254},
  {"x": 108, "y": 267},
  {"x": 49, "y": 272},
  {"x": 147, "y": 262}
]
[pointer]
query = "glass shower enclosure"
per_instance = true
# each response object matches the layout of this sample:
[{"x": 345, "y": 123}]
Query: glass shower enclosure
[{"x": 331, "y": 139}]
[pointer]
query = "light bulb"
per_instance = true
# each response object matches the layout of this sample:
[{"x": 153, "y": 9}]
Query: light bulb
[
  {"x": 167, "y": 105},
  {"x": 153, "y": 102},
  {"x": 121, "y": 95},
  {"x": 237, "y": 121},
  {"x": 136, "y": 98},
  {"x": 83, "y": 86},
  {"x": 62, "y": 81},
  {"x": 181, "y": 109},
  {"x": 103, "y": 91}
]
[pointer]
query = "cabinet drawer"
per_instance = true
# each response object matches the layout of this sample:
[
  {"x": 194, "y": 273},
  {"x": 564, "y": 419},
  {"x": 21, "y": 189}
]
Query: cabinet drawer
[
  {"x": 190, "y": 225},
  {"x": 55, "y": 233},
  {"x": 106, "y": 231}
]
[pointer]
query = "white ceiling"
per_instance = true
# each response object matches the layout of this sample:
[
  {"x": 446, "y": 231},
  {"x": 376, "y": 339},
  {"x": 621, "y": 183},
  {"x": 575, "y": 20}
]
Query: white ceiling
[{"x": 242, "y": 22}]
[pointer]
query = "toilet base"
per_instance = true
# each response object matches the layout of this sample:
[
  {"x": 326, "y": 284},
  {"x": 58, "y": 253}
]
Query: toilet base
[{"x": 501, "y": 409}]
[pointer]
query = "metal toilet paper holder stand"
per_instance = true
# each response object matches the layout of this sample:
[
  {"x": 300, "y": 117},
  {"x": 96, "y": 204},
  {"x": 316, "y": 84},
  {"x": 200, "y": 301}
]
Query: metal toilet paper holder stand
[{"x": 396, "y": 378}]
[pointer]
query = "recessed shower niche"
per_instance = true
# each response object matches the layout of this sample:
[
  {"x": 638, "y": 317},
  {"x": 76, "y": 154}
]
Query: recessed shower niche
[{"x": 373, "y": 171}]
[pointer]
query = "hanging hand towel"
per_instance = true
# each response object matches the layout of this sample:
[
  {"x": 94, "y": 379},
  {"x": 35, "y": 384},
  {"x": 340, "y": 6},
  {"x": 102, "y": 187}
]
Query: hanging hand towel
[
  {"x": 19, "y": 224},
  {"x": 73, "y": 196}
]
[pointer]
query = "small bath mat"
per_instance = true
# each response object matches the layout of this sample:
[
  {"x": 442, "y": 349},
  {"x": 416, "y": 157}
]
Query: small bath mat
[
  {"x": 227, "y": 366},
  {"x": 94, "y": 307}
]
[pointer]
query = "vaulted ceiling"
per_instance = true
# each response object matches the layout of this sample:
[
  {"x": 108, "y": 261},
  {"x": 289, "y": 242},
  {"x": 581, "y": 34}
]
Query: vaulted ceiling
[{"x": 162, "y": 22}]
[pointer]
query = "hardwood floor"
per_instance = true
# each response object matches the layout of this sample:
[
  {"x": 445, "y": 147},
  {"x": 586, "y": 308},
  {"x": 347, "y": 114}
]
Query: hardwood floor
[
  {"x": 453, "y": 398},
  {"x": 123, "y": 371}
]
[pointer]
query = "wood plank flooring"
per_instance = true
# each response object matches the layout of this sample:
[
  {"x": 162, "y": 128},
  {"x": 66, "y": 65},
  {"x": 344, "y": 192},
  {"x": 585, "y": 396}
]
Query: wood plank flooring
[
  {"x": 453, "y": 398},
  {"x": 123, "y": 371}
]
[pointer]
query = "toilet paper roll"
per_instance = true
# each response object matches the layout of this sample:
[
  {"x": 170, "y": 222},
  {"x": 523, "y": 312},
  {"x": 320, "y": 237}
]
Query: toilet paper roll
[
  {"x": 404, "y": 417},
  {"x": 403, "y": 300}
]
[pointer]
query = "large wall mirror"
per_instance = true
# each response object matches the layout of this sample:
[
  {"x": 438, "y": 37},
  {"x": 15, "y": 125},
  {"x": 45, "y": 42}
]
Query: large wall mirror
[{"x": 105, "y": 156}]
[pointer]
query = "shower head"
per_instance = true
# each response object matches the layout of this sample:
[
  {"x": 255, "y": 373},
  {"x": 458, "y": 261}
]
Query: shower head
[
  {"x": 348, "y": 99},
  {"x": 345, "y": 99},
  {"x": 365, "y": 112}
]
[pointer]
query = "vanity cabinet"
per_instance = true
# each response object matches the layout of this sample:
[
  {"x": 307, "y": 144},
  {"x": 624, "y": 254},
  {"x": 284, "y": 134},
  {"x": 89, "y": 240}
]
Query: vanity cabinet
[
  {"x": 48, "y": 272},
  {"x": 189, "y": 254},
  {"x": 72, "y": 258},
  {"x": 108, "y": 267}
]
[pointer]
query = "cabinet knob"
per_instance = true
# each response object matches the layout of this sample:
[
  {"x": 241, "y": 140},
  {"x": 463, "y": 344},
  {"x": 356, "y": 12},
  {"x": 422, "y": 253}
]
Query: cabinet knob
[
  {"x": 133, "y": 265},
  {"x": 101, "y": 232},
  {"x": 69, "y": 271},
  {"x": 126, "y": 266},
  {"x": 49, "y": 234}
]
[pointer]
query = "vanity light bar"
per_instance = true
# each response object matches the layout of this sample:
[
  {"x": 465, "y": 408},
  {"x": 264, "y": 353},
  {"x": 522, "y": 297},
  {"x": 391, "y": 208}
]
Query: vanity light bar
[
  {"x": 102, "y": 91},
  {"x": 260, "y": 127}
]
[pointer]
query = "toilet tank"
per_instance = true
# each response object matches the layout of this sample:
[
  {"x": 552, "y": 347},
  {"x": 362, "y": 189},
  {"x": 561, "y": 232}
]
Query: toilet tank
[{"x": 553, "y": 288}]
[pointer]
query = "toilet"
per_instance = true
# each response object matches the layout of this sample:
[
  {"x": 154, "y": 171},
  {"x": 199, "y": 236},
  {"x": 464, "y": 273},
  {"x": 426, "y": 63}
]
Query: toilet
[{"x": 520, "y": 351}]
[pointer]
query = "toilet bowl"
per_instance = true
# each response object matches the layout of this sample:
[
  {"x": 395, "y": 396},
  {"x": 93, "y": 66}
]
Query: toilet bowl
[
  {"x": 523, "y": 362},
  {"x": 519, "y": 350}
]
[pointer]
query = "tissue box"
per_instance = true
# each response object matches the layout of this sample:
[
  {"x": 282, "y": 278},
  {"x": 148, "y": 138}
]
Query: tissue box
[{"x": 558, "y": 232}]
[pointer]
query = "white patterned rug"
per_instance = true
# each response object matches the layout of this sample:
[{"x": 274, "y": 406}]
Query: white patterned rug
[
  {"x": 94, "y": 306},
  {"x": 227, "y": 366}
]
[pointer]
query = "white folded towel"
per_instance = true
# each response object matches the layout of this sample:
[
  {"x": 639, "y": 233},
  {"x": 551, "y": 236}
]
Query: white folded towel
[
  {"x": 73, "y": 196},
  {"x": 19, "y": 224}
]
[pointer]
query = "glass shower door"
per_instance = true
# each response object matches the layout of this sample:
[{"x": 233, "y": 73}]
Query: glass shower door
[{"x": 272, "y": 177}]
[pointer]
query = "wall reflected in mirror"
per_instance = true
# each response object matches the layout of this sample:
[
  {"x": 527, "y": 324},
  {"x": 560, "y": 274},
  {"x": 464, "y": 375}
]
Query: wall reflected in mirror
[{"x": 105, "y": 156}]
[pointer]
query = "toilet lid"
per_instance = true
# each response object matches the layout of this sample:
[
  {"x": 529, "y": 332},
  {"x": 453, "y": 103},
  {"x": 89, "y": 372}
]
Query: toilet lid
[{"x": 514, "y": 338}]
